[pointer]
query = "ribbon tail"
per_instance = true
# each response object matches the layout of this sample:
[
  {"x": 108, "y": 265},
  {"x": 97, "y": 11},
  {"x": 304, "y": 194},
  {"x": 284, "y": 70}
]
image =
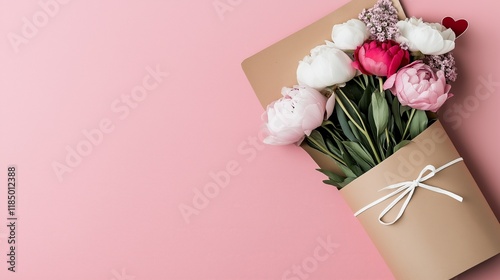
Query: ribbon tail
[
  {"x": 408, "y": 191},
  {"x": 379, "y": 200},
  {"x": 442, "y": 191}
]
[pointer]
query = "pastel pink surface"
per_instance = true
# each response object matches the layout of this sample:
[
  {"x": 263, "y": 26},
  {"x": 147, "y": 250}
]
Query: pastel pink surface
[{"x": 117, "y": 214}]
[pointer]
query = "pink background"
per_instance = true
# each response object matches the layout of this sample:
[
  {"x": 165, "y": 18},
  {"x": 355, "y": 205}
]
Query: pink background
[{"x": 117, "y": 214}]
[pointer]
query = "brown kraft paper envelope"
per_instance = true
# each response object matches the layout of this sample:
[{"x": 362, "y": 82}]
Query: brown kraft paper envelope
[{"x": 437, "y": 237}]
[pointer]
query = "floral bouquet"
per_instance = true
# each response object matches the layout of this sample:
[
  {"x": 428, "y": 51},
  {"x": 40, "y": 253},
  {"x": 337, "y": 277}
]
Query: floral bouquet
[{"x": 366, "y": 103}]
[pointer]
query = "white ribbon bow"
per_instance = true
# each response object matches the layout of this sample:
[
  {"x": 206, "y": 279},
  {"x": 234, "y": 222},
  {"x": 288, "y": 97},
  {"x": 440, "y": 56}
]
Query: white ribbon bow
[{"x": 409, "y": 187}]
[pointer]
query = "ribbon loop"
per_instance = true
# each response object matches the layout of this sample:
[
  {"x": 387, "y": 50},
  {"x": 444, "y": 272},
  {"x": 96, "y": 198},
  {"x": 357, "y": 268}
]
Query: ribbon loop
[{"x": 408, "y": 188}]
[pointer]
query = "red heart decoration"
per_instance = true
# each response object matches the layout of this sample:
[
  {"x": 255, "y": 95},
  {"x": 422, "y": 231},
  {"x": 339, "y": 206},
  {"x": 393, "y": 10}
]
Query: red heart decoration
[{"x": 458, "y": 26}]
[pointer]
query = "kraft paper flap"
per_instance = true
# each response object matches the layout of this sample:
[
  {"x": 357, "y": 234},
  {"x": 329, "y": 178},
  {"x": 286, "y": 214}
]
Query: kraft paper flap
[
  {"x": 437, "y": 237},
  {"x": 275, "y": 67}
]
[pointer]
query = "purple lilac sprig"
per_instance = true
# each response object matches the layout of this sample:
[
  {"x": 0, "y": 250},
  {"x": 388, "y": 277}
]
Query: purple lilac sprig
[
  {"x": 381, "y": 21},
  {"x": 445, "y": 62}
]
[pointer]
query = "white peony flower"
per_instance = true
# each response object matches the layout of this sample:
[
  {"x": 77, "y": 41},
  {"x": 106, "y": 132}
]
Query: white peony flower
[
  {"x": 428, "y": 38},
  {"x": 326, "y": 66},
  {"x": 350, "y": 35},
  {"x": 292, "y": 117}
]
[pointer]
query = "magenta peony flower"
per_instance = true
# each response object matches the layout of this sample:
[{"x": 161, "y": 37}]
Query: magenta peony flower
[
  {"x": 417, "y": 85},
  {"x": 380, "y": 58},
  {"x": 292, "y": 117}
]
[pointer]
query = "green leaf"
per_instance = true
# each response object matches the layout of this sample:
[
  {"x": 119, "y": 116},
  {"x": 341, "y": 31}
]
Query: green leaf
[
  {"x": 354, "y": 130},
  {"x": 357, "y": 170},
  {"x": 350, "y": 107},
  {"x": 372, "y": 129},
  {"x": 392, "y": 142},
  {"x": 384, "y": 145},
  {"x": 372, "y": 81},
  {"x": 333, "y": 183},
  {"x": 339, "y": 185},
  {"x": 404, "y": 109},
  {"x": 353, "y": 91},
  {"x": 347, "y": 181},
  {"x": 315, "y": 140},
  {"x": 351, "y": 171},
  {"x": 397, "y": 116},
  {"x": 360, "y": 150},
  {"x": 391, "y": 125},
  {"x": 332, "y": 148},
  {"x": 401, "y": 145},
  {"x": 418, "y": 123},
  {"x": 365, "y": 78},
  {"x": 327, "y": 122},
  {"x": 344, "y": 183},
  {"x": 389, "y": 151},
  {"x": 331, "y": 175},
  {"x": 318, "y": 138},
  {"x": 380, "y": 112},
  {"x": 335, "y": 179},
  {"x": 360, "y": 155},
  {"x": 364, "y": 103},
  {"x": 389, "y": 96},
  {"x": 343, "y": 123}
]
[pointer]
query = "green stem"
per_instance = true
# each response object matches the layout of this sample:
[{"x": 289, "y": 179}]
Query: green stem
[
  {"x": 329, "y": 131},
  {"x": 372, "y": 147},
  {"x": 352, "y": 106},
  {"x": 332, "y": 134},
  {"x": 382, "y": 92},
  {"x": 325, "y": 151},
  {"x": 409, "y": 122},
  {"x": 381, "y": 83},
  {"x": 371, "y": 79},
  {"x": 360, "y": 83},
  {"x": 363, "y": 130},
  {"x": 387, "y": 136},
  {"x": 338, "y": 101}
]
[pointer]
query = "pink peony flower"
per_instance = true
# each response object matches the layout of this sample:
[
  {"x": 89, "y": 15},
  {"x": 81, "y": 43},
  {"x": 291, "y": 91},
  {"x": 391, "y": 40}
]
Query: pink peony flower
[
  {"x": 380, "y": 58},
  {"x": 292, "y": 117},
  {"x": 417, "y": 85}
]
